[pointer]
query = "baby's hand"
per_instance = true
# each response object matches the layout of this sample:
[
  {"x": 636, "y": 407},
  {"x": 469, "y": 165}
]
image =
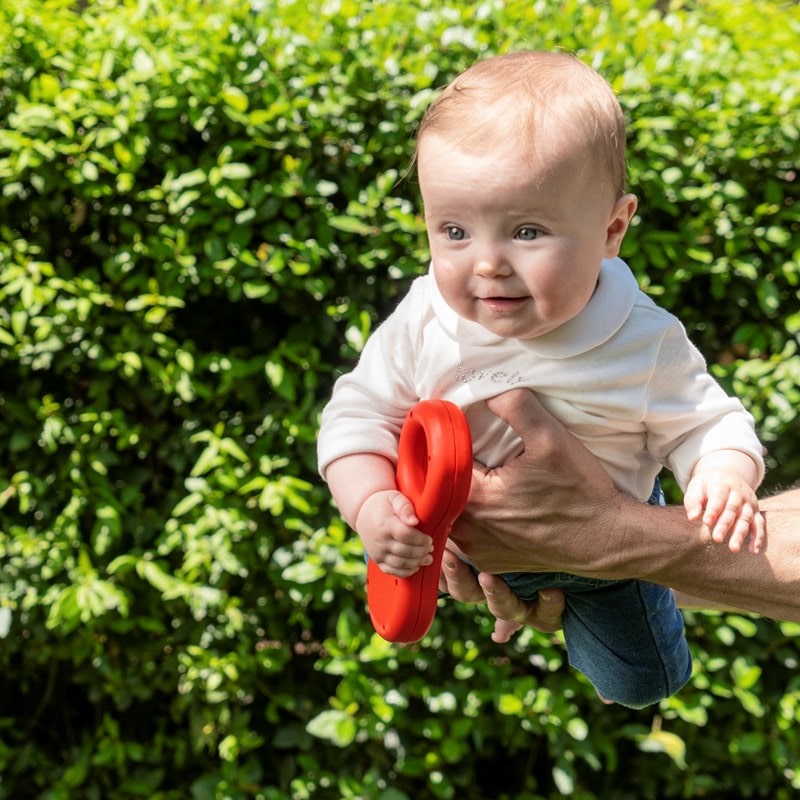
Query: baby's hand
[
  {"x": 726, "y": 504},
  {"x": 387, "y": 525}
]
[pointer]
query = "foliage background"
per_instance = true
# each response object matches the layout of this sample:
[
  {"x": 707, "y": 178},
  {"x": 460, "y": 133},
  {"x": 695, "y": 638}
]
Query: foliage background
[{"x": 203, "y": 212}]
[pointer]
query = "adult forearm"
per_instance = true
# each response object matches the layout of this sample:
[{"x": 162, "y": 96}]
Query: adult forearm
[{"x": 676, "y": 553}]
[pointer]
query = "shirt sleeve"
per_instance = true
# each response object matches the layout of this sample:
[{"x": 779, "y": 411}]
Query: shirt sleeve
[
  {"x": 700, "y": 419},
  {"x": 368, "y": 405}
]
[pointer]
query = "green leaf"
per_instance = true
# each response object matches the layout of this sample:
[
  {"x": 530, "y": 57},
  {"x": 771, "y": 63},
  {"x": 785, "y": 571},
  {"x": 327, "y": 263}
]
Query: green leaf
[
  {"x": 304, "y": 572},
  {"x": 350, "y": 225},
  {"x": 335, "y": 726},
  {"x": 745, "y": 626},
  {"x": 143, "y": 64},
  {"x": 745, "y": 675},
  {"x": 65, "y": 610},
  {"x": 510, "y": 705},
  {"x": 187, "y": 504},
  {"x": 48, "y": 87},
  {"x": 258, "y": 291},
  {"x": 169, "y": 586},
  {"x": 235, "y": 98},
  {"x": 281, "y": 380},
  {"x": 563, "y": 777},
  {"x": 665, "y": 742},
  {"x": 5, "y": 621},
  {"x": 232, "y": 448},
  {"x": 327, "y": 188},
  {"x": 185, "y": 181},
  {"x": 577, "y": 729},
  {"x": 209, "y": 459},
  {"x": 236, "y": 172},
  {"x": 750, "y": 702}
]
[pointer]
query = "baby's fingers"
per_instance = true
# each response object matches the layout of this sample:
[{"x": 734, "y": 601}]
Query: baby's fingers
[
  {"x": 404, "y": 510},
  {"x": 758, "y": 533},
  {"x": 720, "y": 514},
  {"x": 404, "y": 557},
  {"x": 694, "y": 500},
  {"x": 410, "y": 543},
  {"x": 740, "y": 530}
]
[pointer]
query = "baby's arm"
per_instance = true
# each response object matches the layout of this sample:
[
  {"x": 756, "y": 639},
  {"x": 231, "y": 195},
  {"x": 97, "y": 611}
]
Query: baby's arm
[
  {"x": 363, "y": 486},
  {"x": 722, "y": 494}
]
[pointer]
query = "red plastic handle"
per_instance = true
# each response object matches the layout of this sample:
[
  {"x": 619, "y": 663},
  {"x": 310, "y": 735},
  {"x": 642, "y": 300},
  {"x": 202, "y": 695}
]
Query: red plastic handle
[{"x": 434, "y": 470}]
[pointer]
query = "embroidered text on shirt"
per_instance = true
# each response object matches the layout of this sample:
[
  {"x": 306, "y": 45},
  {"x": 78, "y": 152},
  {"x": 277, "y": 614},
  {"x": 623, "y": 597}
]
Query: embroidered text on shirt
[{"x": 467, "y": 375}]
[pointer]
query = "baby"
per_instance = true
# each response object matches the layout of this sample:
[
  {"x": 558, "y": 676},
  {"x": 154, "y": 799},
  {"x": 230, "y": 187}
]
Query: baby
[{"x": 521, "y": 165}]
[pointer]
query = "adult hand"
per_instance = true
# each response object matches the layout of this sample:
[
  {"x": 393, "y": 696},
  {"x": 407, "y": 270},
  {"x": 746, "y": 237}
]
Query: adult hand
[
  {"x": 461, "y": 583},
  {"x": 548, "y": 509},
  {"x": 554, "y": 509}
]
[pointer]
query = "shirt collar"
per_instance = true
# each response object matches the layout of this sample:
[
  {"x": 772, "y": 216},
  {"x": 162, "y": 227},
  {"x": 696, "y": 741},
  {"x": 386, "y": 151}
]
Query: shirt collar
[{"x": 604, "y": 314}]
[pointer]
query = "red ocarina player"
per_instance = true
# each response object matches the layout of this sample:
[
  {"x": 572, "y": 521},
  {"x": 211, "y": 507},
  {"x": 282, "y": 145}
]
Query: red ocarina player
[{"x": 434, "y": 470}]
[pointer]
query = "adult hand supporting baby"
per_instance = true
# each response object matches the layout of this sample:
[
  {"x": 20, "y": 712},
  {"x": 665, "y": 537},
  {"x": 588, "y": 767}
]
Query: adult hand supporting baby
[
  {"x": 461, "y": 583},
  {"x": 547, "y": 510},
  {"x": 554, "y": 509}
]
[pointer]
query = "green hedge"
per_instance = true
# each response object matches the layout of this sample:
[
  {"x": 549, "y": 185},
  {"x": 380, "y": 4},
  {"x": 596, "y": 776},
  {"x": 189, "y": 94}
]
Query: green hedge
[{"x": 203, "y": 212}]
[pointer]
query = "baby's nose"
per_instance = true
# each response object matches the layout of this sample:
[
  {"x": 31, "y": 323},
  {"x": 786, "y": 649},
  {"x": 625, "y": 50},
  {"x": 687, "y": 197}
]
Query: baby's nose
[{"x": 491, "y": 263}]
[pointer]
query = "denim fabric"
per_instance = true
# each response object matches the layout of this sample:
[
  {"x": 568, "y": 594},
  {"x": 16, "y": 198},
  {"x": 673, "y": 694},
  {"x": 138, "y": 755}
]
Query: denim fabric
[{"x": 626, "y": 637}]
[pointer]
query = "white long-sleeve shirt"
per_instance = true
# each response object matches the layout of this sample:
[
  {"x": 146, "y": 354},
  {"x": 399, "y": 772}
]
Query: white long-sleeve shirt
[{"x": 622, "y": 376}]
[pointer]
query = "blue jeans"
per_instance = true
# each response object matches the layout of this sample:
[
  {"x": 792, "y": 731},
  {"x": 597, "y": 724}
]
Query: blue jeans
[{"x": 626, "y": 637}]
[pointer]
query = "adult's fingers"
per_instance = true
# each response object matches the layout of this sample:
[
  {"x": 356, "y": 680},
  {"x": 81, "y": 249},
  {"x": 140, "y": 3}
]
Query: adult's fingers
[
  {"x": 545, "y": 613},
  {"x": 459, "y": 581}
]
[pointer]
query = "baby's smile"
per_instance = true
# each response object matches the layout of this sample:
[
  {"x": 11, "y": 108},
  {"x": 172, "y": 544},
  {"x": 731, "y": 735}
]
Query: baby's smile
[{"x": 503, "y": 305}]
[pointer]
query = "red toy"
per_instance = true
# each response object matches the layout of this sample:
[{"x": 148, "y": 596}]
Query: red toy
[{"x": 434, "y": 470}]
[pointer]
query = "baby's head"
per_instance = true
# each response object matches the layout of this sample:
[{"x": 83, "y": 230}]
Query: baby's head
[
  {"x": 521, "y": 166},
  {"x": 528, "y": 100}
]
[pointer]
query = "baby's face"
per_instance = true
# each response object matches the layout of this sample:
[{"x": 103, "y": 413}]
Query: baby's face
[{"x": 517, "y": 244}]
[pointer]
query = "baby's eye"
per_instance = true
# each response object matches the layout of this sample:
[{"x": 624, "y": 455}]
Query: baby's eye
[
  {"x": 527, "y": 234},
  {"x": 455, "y": 234}
]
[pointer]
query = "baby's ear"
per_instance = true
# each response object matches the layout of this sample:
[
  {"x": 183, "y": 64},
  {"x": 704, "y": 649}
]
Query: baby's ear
[{"x": 618, "y": 223}]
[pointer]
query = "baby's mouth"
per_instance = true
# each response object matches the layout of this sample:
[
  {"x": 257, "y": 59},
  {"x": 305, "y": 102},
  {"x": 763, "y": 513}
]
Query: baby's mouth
[{"x": 503, "y": 305}]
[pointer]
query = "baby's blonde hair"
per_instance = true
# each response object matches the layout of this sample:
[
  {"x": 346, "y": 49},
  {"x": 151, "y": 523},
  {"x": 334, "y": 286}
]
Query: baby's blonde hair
[{"x": 520, "y": 97}]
